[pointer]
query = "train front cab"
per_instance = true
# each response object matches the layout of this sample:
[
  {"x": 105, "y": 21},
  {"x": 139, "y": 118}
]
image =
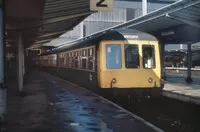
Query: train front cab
[{"x": 130, "y": 65}]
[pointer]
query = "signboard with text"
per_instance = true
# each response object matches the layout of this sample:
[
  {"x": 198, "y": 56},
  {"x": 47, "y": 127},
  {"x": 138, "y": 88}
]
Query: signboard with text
[{"x": 101, "y": 5}]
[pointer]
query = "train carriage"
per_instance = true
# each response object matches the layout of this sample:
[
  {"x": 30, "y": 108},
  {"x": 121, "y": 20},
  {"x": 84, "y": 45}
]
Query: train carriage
[{"x": 121, "y": 60}]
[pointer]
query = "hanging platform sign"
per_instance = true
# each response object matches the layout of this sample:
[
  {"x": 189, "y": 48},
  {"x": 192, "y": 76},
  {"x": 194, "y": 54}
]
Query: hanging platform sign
[{"x": 101, "y": 5}]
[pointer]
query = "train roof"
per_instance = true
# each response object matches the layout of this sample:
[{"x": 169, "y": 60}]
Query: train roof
[{"x": 113, "y": 34}]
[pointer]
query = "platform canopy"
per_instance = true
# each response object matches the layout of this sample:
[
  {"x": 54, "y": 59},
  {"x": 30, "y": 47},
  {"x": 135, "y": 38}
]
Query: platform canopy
[
  {"x": 40, "y": 21},
  {"x": 176, "y": 23}
]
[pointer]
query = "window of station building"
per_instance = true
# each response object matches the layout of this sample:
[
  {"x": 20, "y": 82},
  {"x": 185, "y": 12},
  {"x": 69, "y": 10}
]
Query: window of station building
[
  {"x": 148, "y": 56},
  {"x": 131, "y": 56},
  {"x": 113, "y": 56}
]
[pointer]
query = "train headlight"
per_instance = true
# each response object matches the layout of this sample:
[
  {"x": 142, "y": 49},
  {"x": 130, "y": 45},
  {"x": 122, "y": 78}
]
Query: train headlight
[
  {"x": 114, "y": 80},
  {"x": 150, "y": 80}
]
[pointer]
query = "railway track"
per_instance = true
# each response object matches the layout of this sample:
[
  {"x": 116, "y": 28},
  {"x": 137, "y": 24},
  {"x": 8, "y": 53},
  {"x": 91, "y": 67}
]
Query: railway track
[{"x": 168, "y": 114}]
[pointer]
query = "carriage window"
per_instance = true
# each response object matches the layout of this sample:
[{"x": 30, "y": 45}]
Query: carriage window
[
  {"x": 84, "y": 63},
  {"x": 61, "y": 61},
  {"x": 79, "y": 53},
  {"x": 76, "y": 62},
  {"x": 90, "y": 52},
  {"x": 113, "y": 56},
  {"x": 84, "y": 52},
  {"x": 90, "y": 59},
  {"x": 148, "y": 56},
  {"x": 70, "y": 62},
  {"x": 90, "y": 63},
  {"x": 67, "y": 59},
  {"x": 76, "y": 53},
  {"x": 131, "y": 56}
]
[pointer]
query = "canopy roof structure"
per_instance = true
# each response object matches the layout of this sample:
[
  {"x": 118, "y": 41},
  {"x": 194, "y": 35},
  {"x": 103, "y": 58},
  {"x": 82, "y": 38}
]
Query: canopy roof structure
[
  {"x": 40, "y": 21},
  {"x": 176, "y": 23}
]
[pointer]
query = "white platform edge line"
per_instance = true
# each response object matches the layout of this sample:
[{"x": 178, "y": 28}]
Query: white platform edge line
[
  {"x": 181, "y": 97},
  {"x": 183, "y": 69},
  {"x": 130, "y": 113}
]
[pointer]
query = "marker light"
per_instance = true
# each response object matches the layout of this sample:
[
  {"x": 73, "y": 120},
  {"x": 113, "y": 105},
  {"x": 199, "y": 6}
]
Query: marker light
[{"x": 150, "y": 80}]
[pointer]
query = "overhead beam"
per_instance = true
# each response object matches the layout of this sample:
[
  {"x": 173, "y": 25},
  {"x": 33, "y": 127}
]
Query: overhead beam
[
  {"x": 57, "y": 19},
  {"x": 37, "y": 46},
  {"x": 51, "y": 34},
  {"x": 42, "y": 41},
  {"x": 34, "y": 46},
  {"x": 186, "y": 21},
  {"x": 10, "y": 27},
  {"x": 10, "y": 40}
]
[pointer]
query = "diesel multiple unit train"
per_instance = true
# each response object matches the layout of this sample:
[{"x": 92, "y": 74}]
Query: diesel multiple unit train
[{"x": 123, "y": 61}]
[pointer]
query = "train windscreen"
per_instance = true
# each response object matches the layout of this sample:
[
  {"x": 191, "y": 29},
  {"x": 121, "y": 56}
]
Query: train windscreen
[
  {"x": 131, "y": 56},
  {"x": 113, "y": 56},
  {"x": 148, "y": 56}
]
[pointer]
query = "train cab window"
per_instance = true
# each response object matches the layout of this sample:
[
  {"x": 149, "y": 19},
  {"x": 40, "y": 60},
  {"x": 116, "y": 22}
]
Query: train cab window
[
  {"x": 148, "y": 56},
  {"x": 113, "y": 56},
  {"x": 131, "y": 56}
]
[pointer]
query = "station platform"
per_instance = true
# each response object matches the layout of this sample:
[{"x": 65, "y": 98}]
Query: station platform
[
  {"x": 177, "y": 88},
  {"x": 51, "y": 104}
]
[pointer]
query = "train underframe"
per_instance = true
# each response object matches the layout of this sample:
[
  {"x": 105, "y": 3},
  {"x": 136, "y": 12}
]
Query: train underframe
[{"x": 132, "y": 95}]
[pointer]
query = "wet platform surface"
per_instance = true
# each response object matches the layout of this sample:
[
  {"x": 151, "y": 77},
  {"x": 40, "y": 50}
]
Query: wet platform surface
[
  {"x": 177, "y": 88},
  {"x": 51, "y": 104}
]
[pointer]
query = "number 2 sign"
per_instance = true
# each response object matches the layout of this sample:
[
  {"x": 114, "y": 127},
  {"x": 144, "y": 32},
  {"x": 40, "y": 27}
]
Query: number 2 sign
[{"x": 101, "y": 5}]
